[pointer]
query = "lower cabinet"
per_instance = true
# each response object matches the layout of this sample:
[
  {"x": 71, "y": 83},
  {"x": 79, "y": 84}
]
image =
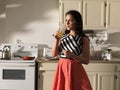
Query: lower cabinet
[
  {"x": 46, "y": 75},
  {"x": 45, "y": 80},
  {"x": 103, "y": 76},
  {"x": 118, "y": 77},
  {"x": 106, "y": 81},
  {"x": 93, "y": 79}
]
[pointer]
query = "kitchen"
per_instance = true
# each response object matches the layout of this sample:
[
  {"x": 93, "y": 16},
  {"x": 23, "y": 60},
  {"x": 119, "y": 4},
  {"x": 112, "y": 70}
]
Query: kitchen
[{"x": 29, "y": 21}]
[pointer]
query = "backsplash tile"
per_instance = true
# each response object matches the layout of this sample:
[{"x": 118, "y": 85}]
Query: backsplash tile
[{"x": 101, "y": 40}]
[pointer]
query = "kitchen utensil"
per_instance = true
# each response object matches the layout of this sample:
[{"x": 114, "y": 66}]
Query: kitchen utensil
[{"x": 25, "y": 57}]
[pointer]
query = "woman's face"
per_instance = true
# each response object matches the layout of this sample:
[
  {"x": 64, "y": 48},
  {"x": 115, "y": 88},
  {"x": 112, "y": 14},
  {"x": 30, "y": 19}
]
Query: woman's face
[{"x": 70, "y": 22}]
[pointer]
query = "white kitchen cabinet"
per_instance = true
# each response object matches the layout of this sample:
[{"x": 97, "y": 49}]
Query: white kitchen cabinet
[
  {"x": 46, "y": 79},
  {"x": 103, "y": 76},
  {"x": 118, "y": 77},
  {"x": 103, "y": 80},
  {"x": 46, "y": 75},
  {"x": 94, "y": 14},
  {"x": 106, "y": 81},
  {"x": 92, "y": 11},
  {"x": 97, "y": 14},
  {"x": 113, "y": 14},
  {"x": 93, "y": 79},
  {"x": 66, "y": 5}
]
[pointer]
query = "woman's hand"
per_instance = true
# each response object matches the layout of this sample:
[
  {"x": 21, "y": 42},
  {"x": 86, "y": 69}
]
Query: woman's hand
[
  {"x": 56, "y": 35},
  {"x": 68, "y": 54},
  {"x": 56, "y": 46},
  {"x": 59, "y": 34}
]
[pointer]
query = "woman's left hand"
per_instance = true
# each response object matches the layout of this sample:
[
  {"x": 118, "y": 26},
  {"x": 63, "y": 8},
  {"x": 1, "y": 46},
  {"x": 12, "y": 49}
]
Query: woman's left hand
[{"x": 68, "y": 54}]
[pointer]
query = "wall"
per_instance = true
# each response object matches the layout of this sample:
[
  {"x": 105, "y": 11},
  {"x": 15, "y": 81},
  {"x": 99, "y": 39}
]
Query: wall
[
  {"x": 30, "y": 21},
  {"x": 2, "y": 19}
]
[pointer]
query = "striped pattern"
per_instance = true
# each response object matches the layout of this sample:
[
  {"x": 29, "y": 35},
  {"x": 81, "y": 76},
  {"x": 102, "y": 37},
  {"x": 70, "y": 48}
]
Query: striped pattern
[{"x": 71, "y": 43}]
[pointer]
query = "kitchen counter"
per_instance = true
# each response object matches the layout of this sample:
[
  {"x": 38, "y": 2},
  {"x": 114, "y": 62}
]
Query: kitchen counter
[
  {"x": 98, "y": 71},
  {"x": 114, "y": 60}
]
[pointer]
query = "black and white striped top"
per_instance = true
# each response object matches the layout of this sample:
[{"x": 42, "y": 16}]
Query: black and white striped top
[{"x": 71, "y": 43}]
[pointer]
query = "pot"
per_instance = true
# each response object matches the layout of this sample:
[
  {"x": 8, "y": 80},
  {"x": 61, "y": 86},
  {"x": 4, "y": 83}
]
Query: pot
[{"x": 25, "y": 57}]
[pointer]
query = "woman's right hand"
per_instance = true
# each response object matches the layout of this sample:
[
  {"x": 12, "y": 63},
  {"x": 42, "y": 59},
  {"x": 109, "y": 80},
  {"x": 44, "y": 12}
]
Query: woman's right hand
[
  {"x": 58, "y": 35},
  {"x": 55, "y": 48}
]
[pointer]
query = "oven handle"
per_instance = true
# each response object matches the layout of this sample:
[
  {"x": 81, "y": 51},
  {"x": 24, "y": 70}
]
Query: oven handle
[
  {"x": 31, "y": 65},
  {"x": 19, "y": 65}
]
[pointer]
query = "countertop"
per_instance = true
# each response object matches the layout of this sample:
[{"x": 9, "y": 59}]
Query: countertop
[{"x": 114, "y": 60}]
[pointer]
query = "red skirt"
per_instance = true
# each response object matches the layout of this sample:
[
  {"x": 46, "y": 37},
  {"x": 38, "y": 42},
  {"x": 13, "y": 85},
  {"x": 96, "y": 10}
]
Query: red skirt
[{"x": 70, "y": 75}]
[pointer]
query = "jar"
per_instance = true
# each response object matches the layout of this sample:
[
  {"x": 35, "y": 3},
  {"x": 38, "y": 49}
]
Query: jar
[{"x": 106, "y": 55}]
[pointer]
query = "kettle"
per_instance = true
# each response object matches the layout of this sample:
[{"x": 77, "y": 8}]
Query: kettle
[
  {"x": 1, "y": 54},
  {"x": 6, "y": 54}
]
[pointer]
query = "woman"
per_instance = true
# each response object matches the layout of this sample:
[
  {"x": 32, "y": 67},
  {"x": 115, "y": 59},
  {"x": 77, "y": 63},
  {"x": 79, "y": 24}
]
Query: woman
[{"x": 73, "y": 49}]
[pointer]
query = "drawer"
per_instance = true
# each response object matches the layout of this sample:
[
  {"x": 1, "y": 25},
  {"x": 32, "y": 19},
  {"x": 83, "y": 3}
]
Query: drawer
[{"x": 101, "y": 67}]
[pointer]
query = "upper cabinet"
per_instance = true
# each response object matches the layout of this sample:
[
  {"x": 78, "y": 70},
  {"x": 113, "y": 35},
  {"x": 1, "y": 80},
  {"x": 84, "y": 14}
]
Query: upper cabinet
[
  {"x": 113, "y": 14},
  {"x": 97, "y": 14},
  {"x": 94, "y": 14},
  {"x": 66, "y": 5}
]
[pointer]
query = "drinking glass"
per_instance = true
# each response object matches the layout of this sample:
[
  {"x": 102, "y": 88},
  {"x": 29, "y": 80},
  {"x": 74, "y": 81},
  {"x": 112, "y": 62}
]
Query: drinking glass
[{"x": 61, "y": 30}]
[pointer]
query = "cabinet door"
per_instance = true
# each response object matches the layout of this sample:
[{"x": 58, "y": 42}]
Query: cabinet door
[
  {"x": 118, "y": 81},
  {"x": 45, "y": 80},
  {"x": 93, "y": 79},
  {"x": 113, "y": 14},
  {"x": 118, "y": 77},
  {"x": 106, "y": 81},
  {"x": 94, "y": 14},
  {"x": 66, "y": 5}
]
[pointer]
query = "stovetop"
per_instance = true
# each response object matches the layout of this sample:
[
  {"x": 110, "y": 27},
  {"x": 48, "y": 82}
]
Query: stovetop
[{"x": 21, "y": 50}]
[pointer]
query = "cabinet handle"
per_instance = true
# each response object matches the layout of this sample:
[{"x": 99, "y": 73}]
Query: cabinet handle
[
  {"x": 104, "y": 24},
  {"x": 115, "y": 76},
  {"x": 105, "y": 4},
  {"x": 39, "y": 76}
]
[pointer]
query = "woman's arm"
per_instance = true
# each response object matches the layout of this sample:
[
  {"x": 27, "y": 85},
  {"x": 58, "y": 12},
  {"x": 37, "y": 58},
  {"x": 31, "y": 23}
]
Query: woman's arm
[
  {"x": 55, "y": 48},
  {"x": 85, "y": 55}
]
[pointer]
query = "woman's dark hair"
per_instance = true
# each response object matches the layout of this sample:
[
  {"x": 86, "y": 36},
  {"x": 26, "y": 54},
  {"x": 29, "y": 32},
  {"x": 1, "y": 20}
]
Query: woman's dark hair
[{"x": 79, "y": 22}]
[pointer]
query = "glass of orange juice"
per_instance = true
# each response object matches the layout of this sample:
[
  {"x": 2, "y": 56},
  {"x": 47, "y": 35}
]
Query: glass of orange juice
[{"x": 61, "y": 31}]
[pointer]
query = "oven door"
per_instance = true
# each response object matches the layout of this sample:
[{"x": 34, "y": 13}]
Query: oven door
[{"x": 17, "y": 77}]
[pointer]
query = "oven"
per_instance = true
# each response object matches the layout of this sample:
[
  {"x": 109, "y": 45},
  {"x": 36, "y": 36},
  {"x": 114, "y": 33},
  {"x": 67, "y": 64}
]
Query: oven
[{"x": 18, "y": 74}]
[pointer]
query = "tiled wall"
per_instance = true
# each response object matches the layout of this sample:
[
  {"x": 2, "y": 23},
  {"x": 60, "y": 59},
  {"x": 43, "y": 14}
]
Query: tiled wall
[{"x": 104, "y": 39}]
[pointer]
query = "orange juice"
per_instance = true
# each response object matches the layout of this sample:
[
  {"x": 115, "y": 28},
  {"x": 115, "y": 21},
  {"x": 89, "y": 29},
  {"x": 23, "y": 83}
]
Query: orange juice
[{"x": 60, "y": 34}]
